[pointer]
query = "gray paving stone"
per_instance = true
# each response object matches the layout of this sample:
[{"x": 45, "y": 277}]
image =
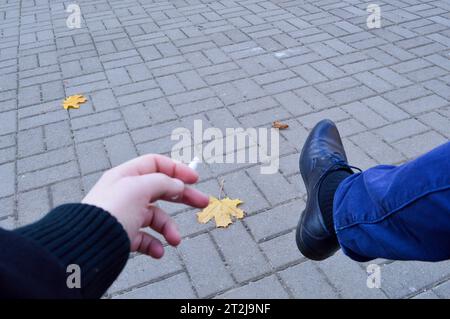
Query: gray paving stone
[
  {"x": 30, "y": 142},
  {"x": 192, "y": 96},
  {"x": 352, "y": 94},
  {"x": 7, "y": 154},
  {"x": 42, "y": 119},
  {"x": 103, "y": 100},
  {"x": 443, "y": 289},
  {"x": 253, "y": 106},
  {"x": 94, "y": 119},
  {"x": 8, "y": 105},
  {"x": 120, "y": 149},
  {"x": 296, "y": 135},
  {"x": 399, "y": 130},
  {"x": 236, "y": 184},
  {"x": 264, "y": 117},
  {"x": 118, "y": 76},
  {"x": 188, "y": 224},
  {"x": 386, "y": 109},
  {"x": 266, "y": 288},
  {"x": 100, "y": 131},
  {"x": 282, "y": 250},
  {"x": 314, "y": 98},
  {"x": 289, "y": 164},
  {"x": 406, "y": 94},
  {"x": 92, "y": 157},
  {"x": 191, "y": 80},
  {"x": 357, "y": 156},
  {"x": 7, "y": 180},
  {"x": 337, "y": 85},
  {"x": 7, "y": 204},
  {"x": 419, "y": 144},
  {"x": 275, "y": 188},
  {"x": 401, "y": 279},
  {"x": 437, "y": 121},
  {"x": 293, "y": 103},
  {"x": 32, "y": 205},
  {"x": 7, "y": 140},
  {"x": 423, "y": 104},
  {"x": 429, "y": 294},
  {"x": 170, "y": 84},
  {"x": 198, "y": 106},
  {"x": 57, "y": 135},
  {"x": 156, "y": 146},
  {"x": 222, "y": 118},
  {"x": 350, "y": 127},
  {"x": 373, "y": 82},
  {"x": 136, "y": 116},
  {"x": 141, "y": 269},
  {"x": 138, "y": 97},
  {"x": 328, "y": 69},
  {"x": 365, "y": 115},
  {"x": 335, "y": 114},
  {"x": 66, "y": 192},
  {"x": 426, "y": 74},
  {"x": 8, "y": 122},
  {"x": 306, "y": 282},
  {"x": 274, "y": 221},
  {"x": 348, "y": 278},
  {"x": 438, "y": 87},
  {"x": 175, "y": 287},
  {"x": 47, "y": 176},
  {"x": 207, "y": 271},
  {"x": 241, "y": 252},
  {"x": 51, "y": 158},
  {"x": 376, "y": 148}
]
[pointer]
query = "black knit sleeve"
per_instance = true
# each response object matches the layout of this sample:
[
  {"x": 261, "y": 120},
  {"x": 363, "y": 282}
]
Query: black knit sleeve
[{"x": 86, "y": 236}]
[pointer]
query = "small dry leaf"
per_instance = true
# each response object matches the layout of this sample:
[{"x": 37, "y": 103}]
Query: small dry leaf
[
  {"x": 279, "y": 125},
  {"x": 221, "y": 210},
  {"x": 73, "y": 102}
]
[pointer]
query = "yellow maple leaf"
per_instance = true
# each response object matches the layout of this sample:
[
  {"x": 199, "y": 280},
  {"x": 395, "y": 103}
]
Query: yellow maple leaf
[
  {"x": 221, "y": 210},
  {"x": 73, "y": 102}
]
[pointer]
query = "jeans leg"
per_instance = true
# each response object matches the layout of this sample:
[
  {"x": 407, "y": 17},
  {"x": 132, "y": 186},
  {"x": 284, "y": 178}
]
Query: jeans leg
[{"x": 397, "y": 212}]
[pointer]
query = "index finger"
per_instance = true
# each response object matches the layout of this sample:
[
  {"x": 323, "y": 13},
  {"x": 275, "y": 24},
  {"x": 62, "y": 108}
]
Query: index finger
[{"x": 155, "y": 163}]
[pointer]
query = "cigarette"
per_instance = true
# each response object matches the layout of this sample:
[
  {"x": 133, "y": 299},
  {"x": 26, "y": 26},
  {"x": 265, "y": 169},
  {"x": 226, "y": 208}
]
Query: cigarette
[{"x": 194, "y": 163}]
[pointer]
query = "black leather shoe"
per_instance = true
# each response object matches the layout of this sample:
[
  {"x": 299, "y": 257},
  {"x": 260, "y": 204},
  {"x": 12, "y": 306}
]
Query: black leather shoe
[{"x": 322, "y": 153}]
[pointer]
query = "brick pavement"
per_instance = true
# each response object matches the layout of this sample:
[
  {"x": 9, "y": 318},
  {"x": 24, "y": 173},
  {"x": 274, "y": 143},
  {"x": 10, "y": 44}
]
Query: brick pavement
[{"x": 148, "y": 67}]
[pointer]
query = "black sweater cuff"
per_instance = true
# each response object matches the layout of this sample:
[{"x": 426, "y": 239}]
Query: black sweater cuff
[{"x": 87, "y": 236}]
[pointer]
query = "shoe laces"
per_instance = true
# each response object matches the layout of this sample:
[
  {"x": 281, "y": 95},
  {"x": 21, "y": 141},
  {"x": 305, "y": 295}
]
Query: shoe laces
[{"x": 338, "y": 164}]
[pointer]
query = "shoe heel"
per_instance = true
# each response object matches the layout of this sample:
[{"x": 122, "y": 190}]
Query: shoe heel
[
  {"x": 302, "y": 237},
  {"x": 302, "y": 246}
]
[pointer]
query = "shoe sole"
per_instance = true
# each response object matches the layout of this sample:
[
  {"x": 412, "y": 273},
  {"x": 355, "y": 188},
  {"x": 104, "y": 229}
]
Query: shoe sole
[{"x": 303, "y": 246}]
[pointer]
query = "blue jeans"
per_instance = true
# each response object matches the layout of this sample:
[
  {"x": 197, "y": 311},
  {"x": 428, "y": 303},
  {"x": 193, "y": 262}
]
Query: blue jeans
[{"x": 397, "y": 212}]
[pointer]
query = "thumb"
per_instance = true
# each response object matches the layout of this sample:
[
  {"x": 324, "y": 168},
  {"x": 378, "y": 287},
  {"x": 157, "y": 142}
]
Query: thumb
[{"x": 158, "y": 185}]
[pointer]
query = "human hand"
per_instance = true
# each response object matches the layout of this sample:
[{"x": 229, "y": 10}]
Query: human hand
[{"x": 128, "y": 191}]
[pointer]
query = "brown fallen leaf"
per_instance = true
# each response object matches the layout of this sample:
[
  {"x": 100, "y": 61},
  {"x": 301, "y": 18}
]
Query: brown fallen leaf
[
  {"x": 279, "y": 125},
  {"x": 221, "y": 210},
  {"x": 73, "y": 102}
]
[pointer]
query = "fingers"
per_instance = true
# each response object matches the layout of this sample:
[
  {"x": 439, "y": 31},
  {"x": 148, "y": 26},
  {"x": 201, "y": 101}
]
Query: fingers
[
  {"x": 190, "y": 197},
  {"x": 158, "y": 220},
  {"x": 148, "y": 245},
  {"x": 157, "y": 185},
  {"x": 154, "y": 163}
]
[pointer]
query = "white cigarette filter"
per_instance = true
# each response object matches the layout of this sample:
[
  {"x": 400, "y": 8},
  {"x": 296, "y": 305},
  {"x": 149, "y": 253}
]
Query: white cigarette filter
[{"x": 194, "y": 163}]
